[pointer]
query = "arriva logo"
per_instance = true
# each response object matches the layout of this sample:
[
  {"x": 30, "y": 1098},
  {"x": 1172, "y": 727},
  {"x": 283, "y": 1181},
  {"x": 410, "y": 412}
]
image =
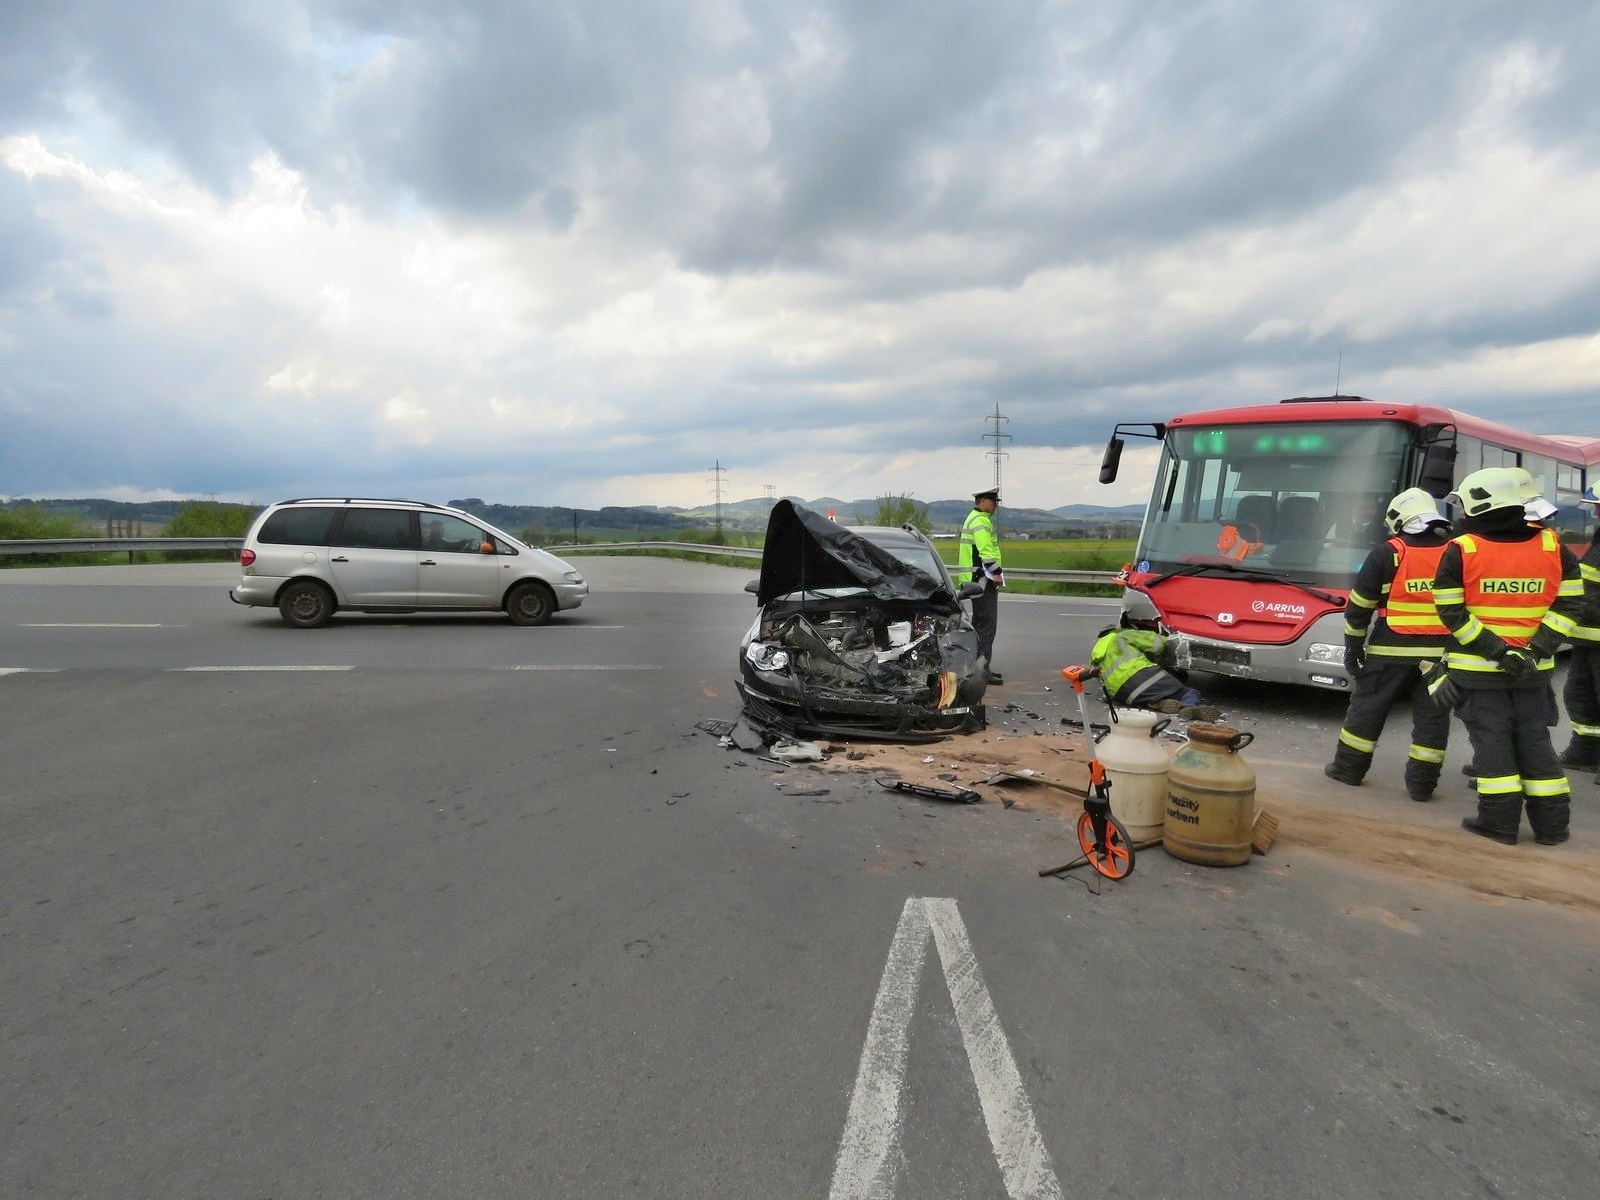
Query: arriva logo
[{"x": 1290, "y": 611}]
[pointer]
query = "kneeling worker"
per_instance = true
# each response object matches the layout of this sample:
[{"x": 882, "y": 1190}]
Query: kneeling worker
[
  {"x": 1133, "y": 678},
  {"x": 1391, "y": 630}
]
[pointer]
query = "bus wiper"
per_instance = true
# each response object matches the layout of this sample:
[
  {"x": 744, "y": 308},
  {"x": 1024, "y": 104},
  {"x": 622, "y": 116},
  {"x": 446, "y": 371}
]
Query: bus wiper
[{"x": 1231, "y": 568}]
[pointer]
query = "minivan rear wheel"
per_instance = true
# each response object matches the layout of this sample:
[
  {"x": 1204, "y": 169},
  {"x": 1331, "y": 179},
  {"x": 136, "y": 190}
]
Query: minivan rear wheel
[
  {"x": 305, "y": 604},
  {"x": 530, "y": 604}
]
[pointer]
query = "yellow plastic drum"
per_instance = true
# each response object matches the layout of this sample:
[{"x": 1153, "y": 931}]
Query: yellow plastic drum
[{"x": 1211, "y": 798}]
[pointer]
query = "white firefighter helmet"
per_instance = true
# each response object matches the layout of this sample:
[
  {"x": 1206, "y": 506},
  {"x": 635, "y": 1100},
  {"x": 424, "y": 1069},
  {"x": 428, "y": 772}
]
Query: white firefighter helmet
[
  {"x": 1413, "y": 502},
  {"x": 1589, "y": 496},
  {"x": 1490, "y": 488}
]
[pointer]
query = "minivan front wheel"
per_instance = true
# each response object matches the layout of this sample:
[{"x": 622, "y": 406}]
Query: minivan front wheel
[
  {"x": 305, "y": 604},
  {"x": 530, "y": 604}
]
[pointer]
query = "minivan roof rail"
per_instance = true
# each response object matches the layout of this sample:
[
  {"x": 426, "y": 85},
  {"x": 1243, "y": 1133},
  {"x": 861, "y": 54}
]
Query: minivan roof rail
[{"x": 358, "y": 500}]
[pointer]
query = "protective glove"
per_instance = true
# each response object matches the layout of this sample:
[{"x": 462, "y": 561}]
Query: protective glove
[
  {"x": 1518, "y": 664},
  {"x": 1355, "y": 656},
  {"x": 1444, "y": 691}
]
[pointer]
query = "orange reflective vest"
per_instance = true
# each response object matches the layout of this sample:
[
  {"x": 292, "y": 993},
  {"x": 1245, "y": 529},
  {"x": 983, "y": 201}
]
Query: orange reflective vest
[
  {"x": 1509, "y": 586},
  {"x": 1409, "y": 609}
]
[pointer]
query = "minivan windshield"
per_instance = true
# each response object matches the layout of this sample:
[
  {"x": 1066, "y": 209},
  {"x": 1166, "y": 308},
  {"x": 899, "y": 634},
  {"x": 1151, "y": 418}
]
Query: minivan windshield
[{"x": 1303, "y": 500}]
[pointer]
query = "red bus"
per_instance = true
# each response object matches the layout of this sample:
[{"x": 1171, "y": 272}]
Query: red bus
[{"x": 1261, "y": 516}]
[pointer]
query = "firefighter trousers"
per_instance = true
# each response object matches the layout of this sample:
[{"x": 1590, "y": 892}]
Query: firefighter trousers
[
  {"x": 1511, "y": 747},
  {"x": 1582, "y": 699},
  {"x": 1377, "y": 689}
]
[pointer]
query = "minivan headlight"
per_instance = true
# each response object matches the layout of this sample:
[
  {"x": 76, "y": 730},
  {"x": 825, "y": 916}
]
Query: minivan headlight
[{"x": 573, "y": 576}]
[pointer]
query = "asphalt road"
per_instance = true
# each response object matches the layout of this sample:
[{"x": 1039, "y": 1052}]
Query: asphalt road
[{"x": 439, "y": 907}]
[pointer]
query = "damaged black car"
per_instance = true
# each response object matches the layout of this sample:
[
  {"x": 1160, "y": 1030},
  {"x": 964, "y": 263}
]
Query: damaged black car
[{"x": 861, "y": 633}]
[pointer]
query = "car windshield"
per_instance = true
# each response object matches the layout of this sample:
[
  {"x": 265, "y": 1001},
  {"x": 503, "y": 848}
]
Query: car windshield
[
  {"x": 923, "y": 558},
  {"x": 1303, "y": 500}
]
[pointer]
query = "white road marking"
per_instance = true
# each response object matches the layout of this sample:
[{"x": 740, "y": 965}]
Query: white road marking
[
  {"x": 869, "y": 1150},
  {"x": 1018, "y": 1148},
  {"x": 99, "y": 625},
  {"x": 14, "y": 670},
  {"x": 580, "y": 667},
  {"x": 262, "y": 668}
]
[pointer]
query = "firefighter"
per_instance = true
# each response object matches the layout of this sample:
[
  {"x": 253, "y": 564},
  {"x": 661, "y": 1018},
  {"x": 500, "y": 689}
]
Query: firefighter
[
  {"x": 1509, "y": 593},
  {"x": 1391, "y": 631},
  {"x": 1582, "y": 692},
  {"x": 980, "y": 552}
]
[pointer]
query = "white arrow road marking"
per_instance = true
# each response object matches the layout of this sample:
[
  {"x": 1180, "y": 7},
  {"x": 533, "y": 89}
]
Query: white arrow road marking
[
  {"x": 99, "y": 625},
  {"x": 869, "y": 1150}
]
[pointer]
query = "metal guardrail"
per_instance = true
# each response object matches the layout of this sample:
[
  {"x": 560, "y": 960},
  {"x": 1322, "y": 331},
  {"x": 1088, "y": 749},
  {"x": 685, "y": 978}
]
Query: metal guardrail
[
  {"x": 35, "y": 546},
  {"x": 133, "y": 546},
  {"x": 1034, "y": 574}
]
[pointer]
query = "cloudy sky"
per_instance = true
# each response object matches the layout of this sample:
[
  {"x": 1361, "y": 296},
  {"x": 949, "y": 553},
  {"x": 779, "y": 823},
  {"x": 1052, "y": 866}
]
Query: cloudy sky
[{"x": 581, "y": 252}]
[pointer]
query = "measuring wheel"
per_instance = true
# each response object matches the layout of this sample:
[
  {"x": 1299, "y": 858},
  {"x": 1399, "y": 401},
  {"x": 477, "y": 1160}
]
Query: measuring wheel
[{"x": 1112, "y": 857}]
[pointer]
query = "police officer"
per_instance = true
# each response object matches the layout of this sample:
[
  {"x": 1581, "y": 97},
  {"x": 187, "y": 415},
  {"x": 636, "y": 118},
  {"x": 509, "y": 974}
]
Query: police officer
[
  {"x": 980, "y": 551},
  {"x": 1582, "y": 693},
  {"x": 1391, "y": 629},
  {"x": 1508, "y": 592}
]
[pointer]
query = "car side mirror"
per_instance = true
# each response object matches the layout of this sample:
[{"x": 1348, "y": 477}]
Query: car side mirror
[
  {"x": 753, "y": 587},
  {"x": 970, "y": 590}
]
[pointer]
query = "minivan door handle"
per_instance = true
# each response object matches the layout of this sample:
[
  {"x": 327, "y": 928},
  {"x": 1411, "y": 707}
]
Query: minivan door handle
[
  {"x": 427, "y": 562},
  {"x": 338, "y": 558}
]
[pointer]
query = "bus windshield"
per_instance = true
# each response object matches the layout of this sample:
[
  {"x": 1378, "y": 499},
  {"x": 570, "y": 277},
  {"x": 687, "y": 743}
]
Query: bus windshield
[{"x": 1303, "y": 500}]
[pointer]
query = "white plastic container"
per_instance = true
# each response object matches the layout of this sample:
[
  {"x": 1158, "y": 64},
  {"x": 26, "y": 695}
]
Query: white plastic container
[{"x": 1136, "y": 765}]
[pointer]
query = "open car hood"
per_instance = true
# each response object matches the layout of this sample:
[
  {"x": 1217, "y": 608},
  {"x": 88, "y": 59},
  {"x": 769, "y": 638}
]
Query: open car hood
[{"x": 806, "y": 551}]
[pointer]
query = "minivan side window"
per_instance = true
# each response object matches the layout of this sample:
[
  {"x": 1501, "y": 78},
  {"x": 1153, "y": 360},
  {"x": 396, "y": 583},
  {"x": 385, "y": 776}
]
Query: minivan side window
[
  {"x": 297, "y": 527},
  {"x": 375, "y": 529}
]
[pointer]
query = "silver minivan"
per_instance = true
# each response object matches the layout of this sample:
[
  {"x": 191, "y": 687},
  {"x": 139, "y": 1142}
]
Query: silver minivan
[{"x": 311, "y": 558}]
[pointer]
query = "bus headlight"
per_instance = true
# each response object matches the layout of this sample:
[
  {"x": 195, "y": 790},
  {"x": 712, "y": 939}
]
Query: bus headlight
[{"x": 1321, "y": 652}]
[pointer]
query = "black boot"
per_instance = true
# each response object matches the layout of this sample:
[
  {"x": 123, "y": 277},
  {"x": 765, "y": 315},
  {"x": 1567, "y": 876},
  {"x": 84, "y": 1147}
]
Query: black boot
[
  {"x": 1472, "y": 825},
  {"x": 1581, "y": 753},
  {"x": 1551, "y": 837},
  {"x": 1333, "y": 772}
]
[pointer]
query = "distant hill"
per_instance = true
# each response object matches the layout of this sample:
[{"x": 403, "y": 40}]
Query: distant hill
[{"x": 551, "y": 524}]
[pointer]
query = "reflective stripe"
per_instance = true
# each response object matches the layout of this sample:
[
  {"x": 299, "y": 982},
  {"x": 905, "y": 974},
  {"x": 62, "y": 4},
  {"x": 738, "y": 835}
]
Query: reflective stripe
[
  {"x": 1588, "y": 731},
  {"x": 1449, "y": 596},
  {"x": 1351, "y": 631},
  {"x": 1361, "y": 601},
  {"x": 1499, "y": 785},
  {"x": 1356, "y": 743},
  {"x": 1547, "y": 787},
  {"x": 1425, "y": 754},
  {"x": 1460, "y": 660},
  {"x": 1384, "y": 650}
]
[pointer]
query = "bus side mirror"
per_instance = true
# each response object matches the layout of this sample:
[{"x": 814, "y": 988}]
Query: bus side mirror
[
  {"x": 1108, "y": 464},
  {"x": 1438, "y": 469}
]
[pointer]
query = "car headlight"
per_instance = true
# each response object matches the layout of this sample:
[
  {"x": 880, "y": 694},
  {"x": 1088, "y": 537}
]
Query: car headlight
[
  {"x": 573, "y": 576},
  {"x": 764, "y": 656},
  {"x": 1322, "y": 652}
]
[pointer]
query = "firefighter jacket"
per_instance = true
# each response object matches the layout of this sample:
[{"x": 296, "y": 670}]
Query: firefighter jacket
[
  {"x": 1391, "y": 605},
  {"x": 980, "y": 549},
  {"x": 1586, "y": 631},
  {"x": 1122, "y": 654},
  {"x": 1502, "y": 583}
]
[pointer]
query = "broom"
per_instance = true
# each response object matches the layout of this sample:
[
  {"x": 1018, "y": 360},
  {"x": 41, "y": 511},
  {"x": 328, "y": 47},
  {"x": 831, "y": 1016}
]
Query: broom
[{"x": 1262, "y": 832}]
